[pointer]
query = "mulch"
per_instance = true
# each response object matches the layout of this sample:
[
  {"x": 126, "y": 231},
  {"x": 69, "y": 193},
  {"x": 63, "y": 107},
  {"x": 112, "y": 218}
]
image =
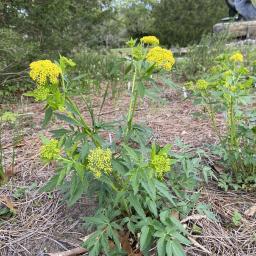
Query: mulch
[{"x": 42, "y": 223}]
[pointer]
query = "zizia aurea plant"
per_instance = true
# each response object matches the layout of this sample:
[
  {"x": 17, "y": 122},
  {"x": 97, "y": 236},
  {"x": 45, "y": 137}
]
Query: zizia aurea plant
[
  {"x": 142, "y": 190},
  {"x": 229, "y": 90}
]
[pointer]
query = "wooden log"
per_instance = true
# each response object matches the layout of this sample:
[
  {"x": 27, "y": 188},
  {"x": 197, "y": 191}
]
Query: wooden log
[{"x": 237, "y": 29}]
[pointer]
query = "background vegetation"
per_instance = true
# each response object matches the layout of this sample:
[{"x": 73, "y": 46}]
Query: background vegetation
[{"x": 36, "y": 29}]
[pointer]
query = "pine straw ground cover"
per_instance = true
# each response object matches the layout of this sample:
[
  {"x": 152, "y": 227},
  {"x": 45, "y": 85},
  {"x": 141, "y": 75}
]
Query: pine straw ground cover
[{"x": 41, "y": 222}]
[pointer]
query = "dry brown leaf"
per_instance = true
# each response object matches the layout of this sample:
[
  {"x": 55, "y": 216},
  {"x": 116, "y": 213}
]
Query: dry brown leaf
[
  {"x": 10, "y": 171},
  {"x": 125, "y": 243},
  {"x": 218, "y": 168},
  {"x": 175, "y": 214},
  {"x": 8, "y": 203},
  {"x": 251, "y": 211}
]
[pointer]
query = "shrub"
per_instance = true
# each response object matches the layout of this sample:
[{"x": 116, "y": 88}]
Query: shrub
[
  {"x": 142, "y": 190},
  {"x": 183, "y": 22},
  {"x": 229, "y": 89},
  {"x": 200, "y": 57},
  {"x": 96, "y": 69},
  {"x": 15, "y": 54},
  {"x": 14, "y": 123}
]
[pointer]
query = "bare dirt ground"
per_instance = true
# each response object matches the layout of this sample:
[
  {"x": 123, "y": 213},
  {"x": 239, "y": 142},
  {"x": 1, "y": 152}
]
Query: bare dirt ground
[{"x": 42, "y": 223}]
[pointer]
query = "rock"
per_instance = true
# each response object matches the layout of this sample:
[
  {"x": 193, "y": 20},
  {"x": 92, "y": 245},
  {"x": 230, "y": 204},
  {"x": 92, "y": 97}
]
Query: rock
[{"x": 245, "y": 29}]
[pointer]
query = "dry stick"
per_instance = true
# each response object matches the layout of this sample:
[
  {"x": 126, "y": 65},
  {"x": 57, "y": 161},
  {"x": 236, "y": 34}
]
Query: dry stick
[
  {"x": 73, "y": 252},
  {"x": 195, "y": 243}
]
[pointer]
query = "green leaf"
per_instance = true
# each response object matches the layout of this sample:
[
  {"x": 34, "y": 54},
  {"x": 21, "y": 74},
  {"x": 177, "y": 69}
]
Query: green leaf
[
  {"x": 131, "y": 153},
  {"x": 97, "y": 220},
  {"x": 134, "y": 202},
  {"x": 51, "y": 184},
  {"x": 145, "y": 239},
  {"x": 177, "y": 249},
  {"x": 171, "y": 84},
  {"x": 161, "y": 246},
  {"x": 80, "y": 170},
  {"x": 163, "y": 190},
  {"x": 128, "y": 69},
  {"x": 178, "y": 224},
  {"x": 182, "y": 239},
  {"x": 84, "y": 151},
  {"x": 68, "y": 120},
  {"x": 149, "y": 71},
  {"x": 141, "y": 90},
  {"x": 105, "y": 244},
  {"x": 134, "y": 181},
  {"x": 169, "y": 250},
  {"x": 153, "y": 207},
  {"x": 95, "y": 251},
  {"x": 62, "y": 176},
  {"x": 47, "y": 117},
  {"x": 149, "y": 186},
  {"x": 60, "y": 132},
  {"x": 76, "y": 190},
  {"x": 115, "y": 237}
]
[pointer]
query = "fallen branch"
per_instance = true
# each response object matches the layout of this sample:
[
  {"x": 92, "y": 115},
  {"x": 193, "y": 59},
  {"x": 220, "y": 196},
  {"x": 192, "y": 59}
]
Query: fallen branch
[
  {"x": 194, "y": 217},
  {"x": 73, "y": 252},
  {"x": 195, "y": 243}
]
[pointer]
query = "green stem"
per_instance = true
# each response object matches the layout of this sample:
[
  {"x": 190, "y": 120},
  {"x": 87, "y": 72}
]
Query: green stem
[
  {"x": 86, "y": 128},
  {"x": 133, "y": 103},
  {"x": 212, "y": 117},
  {"x": 2, "y": 174},
  {"x": 233, "y": 133}
]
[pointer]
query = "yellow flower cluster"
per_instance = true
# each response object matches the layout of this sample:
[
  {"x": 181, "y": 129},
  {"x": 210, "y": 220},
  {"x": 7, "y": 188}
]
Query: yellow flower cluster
[
  {"x": 44, "y": 71},
  {"x": 150, "y": 40},
  {"x": 41, "y": 93},
  {"x": 99, "y": 161},
  {"x": 202, "y": 84},
  {"x": 50, "y": 151},
  {"x": 237, "y": 57},
  {"x": 162, "y": 164},
  {"x": 162, "y": 58}
]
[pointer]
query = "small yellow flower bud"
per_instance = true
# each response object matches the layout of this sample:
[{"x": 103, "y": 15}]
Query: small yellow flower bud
[
  {"x": 202, "y": 84},
  {"x": 237, "y": 57},
  {"x": 99, "y": 161},
  {"x": 161, "y": 164},
  {"x": 50, "y": 151},
  {"x": 150, "y": 40}
]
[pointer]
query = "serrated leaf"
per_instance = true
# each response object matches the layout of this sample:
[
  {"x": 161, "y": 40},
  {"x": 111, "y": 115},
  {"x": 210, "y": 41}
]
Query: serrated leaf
[
  {"x": 178, "y": 224},
  {"x": 141, "y": 90},
  {"x": 47, "y": 117},
  {"x": 145, "y": 238},
  {"x": 161, "y": 247},
  {"x": 163, "y": 190},
  {"x": 51, "y": 184},
  {"x": 169, "y": 250},
  {"x": 177, "y": 249},
  {"x": 68, "y": 120},
  {"x": 60, "y": 132},
  {"x": 61, "y": 177},
  {"x": 134, "y": 202},
  {"x": 182, "y": 239},
  {"x": 153, "y": 207},
  {"x": 149, "y": 186}
]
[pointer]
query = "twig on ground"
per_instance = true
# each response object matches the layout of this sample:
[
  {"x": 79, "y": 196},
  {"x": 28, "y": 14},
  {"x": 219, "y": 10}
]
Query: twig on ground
[{"x": 74, "y": 252}]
